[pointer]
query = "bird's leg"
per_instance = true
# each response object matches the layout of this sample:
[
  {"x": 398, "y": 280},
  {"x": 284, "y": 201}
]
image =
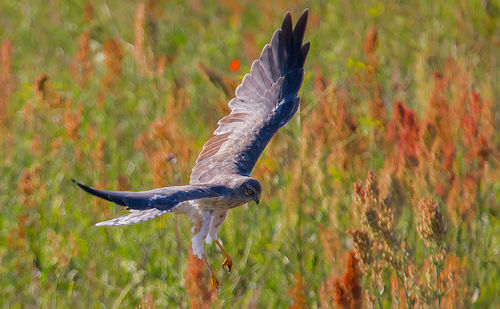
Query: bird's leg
[
  {"x": 213, "y": 279},
  {"x": 228, "y": 262}
]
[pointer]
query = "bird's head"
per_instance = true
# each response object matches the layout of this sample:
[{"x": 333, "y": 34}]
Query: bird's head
[{"x": 250, "y": 189}]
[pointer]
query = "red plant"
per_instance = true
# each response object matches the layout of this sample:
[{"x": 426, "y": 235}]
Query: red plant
[
  {"x": 197, "y": 283},
  {"x": 88, "y": 14},
  {"x": 404, "y": 131},
  {"x": 370, "y": 42},
  {"x": 373, "y": 88},
  {"x": 477, "y": 148},
  {"x": 348, "y": 290},
  {"x": 113, "y": 52},
  {"x": 6, "y": 78},
  {"x": 81, "y": 67},
  {"x": 297, "y": 292},
  {"x": 72, "y": 119}
]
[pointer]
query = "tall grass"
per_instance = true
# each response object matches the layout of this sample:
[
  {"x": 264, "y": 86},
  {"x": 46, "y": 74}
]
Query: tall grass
[{"x": 382, "y": 192}]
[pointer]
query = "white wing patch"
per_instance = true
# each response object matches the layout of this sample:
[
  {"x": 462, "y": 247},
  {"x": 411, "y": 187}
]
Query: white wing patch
[
  {"x": 135, "y": 216},
  {"x": 138, "y": 216}
]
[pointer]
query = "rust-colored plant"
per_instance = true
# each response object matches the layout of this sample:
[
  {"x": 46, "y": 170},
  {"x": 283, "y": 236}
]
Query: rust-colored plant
[
  {"x": 297, "y": 293},
  {"x": 330, "y": 241},
  {"x": 82, "y": 67},
  {"x": 404, "y": 132},
  {"x": 147, "y": 302},
  {"x": 376, "y": 107},
  {"x": 29, "y": 183},
  {"x": 348, "y": 290},
  {"x": 145, "y": 38},
  {"x": 113, "y": 53},
  {"x": 432, "y": 230},
  {"x": 71, "y": 120},
  {"x": 46, "y": 94},
  {"x": 388, "y": 252},
  {"x": 6, "y": 78},
  {"x": 88, "y": 13},
  {"x": 201, "y": 295}
]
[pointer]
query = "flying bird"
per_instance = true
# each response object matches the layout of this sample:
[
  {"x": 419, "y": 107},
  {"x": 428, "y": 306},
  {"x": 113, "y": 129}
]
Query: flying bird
[{"x": 266, "y": 100}]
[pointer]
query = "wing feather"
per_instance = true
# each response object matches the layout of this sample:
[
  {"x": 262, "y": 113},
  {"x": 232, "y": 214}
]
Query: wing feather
[
  {"x": 265, "y": 100},
  {"x": 146, "y": 205},
  {"x": 134, "y": 217}
]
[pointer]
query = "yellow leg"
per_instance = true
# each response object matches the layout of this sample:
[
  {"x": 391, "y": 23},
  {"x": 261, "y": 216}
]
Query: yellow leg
[
  {"x": 213, "y": 279},
  {"x": 228, "y": 262}
]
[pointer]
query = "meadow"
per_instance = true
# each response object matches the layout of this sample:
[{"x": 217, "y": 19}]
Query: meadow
[{"x": 382, "y": 192}]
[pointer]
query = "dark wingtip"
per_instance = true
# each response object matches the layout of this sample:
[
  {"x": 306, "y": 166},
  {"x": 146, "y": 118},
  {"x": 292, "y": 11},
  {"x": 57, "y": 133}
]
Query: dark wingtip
[
  {"x": 107, "y": 195},
  {"x": 304, "y": 50},
  {"x": 84, "y": 187},
  {"x": 287, "y": 22},
  {"x": 300, "y": 28},
  {"x": 288, "y": 16},
  {"x": 303, "y": 17}
]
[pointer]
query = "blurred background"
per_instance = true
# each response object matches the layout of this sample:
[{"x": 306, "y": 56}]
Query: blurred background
[{"x": 383, "y": 191}]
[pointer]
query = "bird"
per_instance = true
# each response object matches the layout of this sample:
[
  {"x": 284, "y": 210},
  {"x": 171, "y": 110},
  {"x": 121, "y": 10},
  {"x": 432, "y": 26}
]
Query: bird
[{"x": 265, "y": 101}]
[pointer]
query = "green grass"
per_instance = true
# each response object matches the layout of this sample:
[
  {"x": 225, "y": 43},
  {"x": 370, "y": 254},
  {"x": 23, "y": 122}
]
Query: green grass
[{"x": 52, "y": 256}]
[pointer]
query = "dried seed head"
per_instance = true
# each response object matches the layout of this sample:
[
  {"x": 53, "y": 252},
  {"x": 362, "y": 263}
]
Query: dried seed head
[
  {"x": 358, "y": 192},
  {"x": 377, "y": 215},
  {"x": 431, "y": 227},
  {"x": 362, "y": 246},
  {"x": 371, "y": 185}
]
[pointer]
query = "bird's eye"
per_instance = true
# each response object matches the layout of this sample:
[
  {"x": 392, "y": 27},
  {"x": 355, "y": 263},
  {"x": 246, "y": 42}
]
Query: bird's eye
[{"x": 250, "y": 192}]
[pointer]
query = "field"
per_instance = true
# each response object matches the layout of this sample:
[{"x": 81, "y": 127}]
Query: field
[{"x": 383, "y": 191}]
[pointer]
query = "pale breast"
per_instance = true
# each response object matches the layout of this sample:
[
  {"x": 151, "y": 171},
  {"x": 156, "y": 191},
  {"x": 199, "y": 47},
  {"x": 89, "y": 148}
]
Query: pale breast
[
  {"x": 215, "y": 203},
  {"x": 212, "y": 203}
]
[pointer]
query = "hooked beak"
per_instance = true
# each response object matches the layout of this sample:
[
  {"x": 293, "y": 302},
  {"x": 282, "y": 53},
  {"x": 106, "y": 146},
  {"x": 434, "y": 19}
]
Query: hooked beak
[{"x": 256, "y": 199}]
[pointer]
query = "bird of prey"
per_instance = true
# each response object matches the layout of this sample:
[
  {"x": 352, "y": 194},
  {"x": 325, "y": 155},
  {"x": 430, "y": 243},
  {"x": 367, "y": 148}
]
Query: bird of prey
[{"x": 266, "y": 100}]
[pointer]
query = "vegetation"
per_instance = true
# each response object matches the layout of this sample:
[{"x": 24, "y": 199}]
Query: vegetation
[{"x": 382, "y": 192}]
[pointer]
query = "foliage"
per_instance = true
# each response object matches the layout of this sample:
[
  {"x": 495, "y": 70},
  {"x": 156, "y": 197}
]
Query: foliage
[{"x": 383, "y": 191}]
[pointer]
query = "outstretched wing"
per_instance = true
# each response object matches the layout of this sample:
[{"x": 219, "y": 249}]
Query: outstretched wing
[
  {"x": 146, "y": 205},
  {"x": 265, "y": 101}
]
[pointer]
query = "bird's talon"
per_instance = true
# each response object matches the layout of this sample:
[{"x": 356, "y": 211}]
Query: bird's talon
[
  {"x": 227, "y": 265},
  {"x": 213, "y": 281}
]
